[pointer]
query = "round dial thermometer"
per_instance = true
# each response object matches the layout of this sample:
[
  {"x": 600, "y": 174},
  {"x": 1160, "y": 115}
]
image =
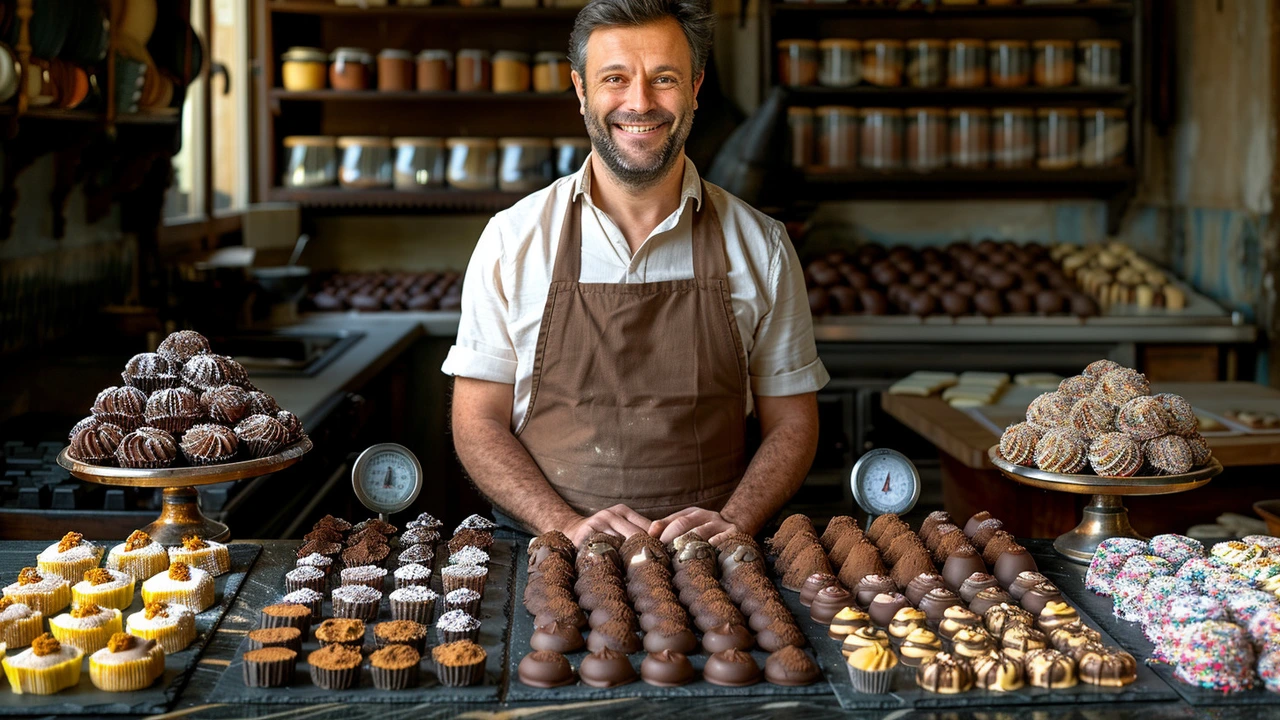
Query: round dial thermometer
[
  {"x": 885, "y": 481},
  {"x": 387, "y": 478}
]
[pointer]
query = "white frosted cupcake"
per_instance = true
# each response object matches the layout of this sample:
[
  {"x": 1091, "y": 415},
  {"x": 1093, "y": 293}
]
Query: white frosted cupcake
[
  {"x": 47, "y": 595},
  {"x": 181, "y": 585},
  {"x": 212, "y": 557},
  {"x": 88, "y": 627},
  {"x": 108, "y": 588},
  {"x": 19, "y": 624},
  {"x": 139, "y": 555},
  {"x": 70, "y": 557},
  {"x": 127, "y": 663},
  {"x": 44, "y": 669},
  {"x": 173, "y": 626}
]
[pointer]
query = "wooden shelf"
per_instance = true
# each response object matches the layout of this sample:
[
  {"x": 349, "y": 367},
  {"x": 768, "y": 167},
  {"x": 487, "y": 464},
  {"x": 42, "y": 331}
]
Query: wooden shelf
[
  {"x": 279, "y": 95},
  {"x": 944, "y": 96},
  {"x": 960, "y": 183},
  {"x": 437, "y": 201},
  {"x": 301, "y": 7},
  {"x": 1116, "y": 9},
  {"x": 90, "y": 116}
]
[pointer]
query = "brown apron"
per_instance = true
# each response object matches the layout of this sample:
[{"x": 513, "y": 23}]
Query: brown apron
[{"x": 639, "y": 390}]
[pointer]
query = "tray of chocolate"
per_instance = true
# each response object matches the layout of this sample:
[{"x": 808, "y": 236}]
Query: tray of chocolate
[
  {"x": 685, "y": 620},
  {"x": 386, "y": 292},
  {"x": 86, "y": 636},
  {"x": 387, "y": 627},
  {"x": 950, "y": 616}
]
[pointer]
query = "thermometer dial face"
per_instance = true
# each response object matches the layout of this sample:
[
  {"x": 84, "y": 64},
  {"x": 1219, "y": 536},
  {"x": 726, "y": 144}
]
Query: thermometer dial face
[
  {"x": 387, "y": 478},
  {"x": 885, "y": 481}
]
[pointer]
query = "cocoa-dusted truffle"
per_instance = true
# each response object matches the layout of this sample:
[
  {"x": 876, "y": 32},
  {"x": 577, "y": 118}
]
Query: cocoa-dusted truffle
[
  {"x": 791, "y": 666},
  {"x": 667, "y": 668},
  {"x": 1093, "y": 416},
  {"x": 882, "y": 524},
  {"x": 940, "y": 531},
  {"x": 931, "y": 523},
  {"x": 911, "y": 565},
  {"x": 903, "y": 543},
  {"x": 809, "y": 561},
  {"x": 1062, "y": 450},
  {"x": 799, "y": 544},
  {"x": 718, "y": 613},
  {"x": 779, "y": 634},
  {"x": 616, "y": 635},
  {"x": 1142, "y": 419},
  {"x": 787, "y": 530},
  {"x": 838, "y": 526},
  {"x": 999, "y": 542},
  {"x": 731, "y": 668},
  {"x": 986, "y": 530},
  {"x": 1116, "y": 455},
  {"x": 613, "y": 611},
  {"x": 1049, "y": 410},
  {"x": 863, "y": 560},
  {"x": 1168, "y": 455},
  {"x": 948, "y": 545}
]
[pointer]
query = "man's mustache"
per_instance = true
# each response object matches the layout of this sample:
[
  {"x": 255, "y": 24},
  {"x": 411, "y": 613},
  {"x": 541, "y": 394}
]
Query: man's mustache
[{"x": 656, "y": 117}]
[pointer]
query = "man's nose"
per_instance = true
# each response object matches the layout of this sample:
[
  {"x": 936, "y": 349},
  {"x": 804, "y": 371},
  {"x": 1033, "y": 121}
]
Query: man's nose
[{"x": 639, "y": 98}]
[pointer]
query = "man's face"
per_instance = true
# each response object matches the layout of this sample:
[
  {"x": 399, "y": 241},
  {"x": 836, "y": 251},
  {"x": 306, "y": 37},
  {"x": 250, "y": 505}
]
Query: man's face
[{"x": 638, "y": 99}]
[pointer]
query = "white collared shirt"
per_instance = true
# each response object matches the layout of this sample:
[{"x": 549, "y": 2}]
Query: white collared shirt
[{"x": 506, "y": 284}]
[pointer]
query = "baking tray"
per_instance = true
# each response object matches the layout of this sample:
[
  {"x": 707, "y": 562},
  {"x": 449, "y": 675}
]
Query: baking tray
[
  {"x": 85, "y": 699},
  {"x": 522, "y": 629},
  {"x": 494, "y": 610}
]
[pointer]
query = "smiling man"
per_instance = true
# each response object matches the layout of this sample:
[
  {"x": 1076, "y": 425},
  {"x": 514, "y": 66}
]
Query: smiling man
[{"x": 621, "y": 326}]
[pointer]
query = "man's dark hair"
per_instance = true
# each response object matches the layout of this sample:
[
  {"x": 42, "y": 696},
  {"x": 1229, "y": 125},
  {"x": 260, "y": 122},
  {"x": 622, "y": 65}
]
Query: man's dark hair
[{"x": 695, "y": 18}]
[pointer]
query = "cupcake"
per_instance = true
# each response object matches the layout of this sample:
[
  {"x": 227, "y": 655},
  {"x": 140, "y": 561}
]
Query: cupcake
[
  {"x": 468, "y": 601},
  {"x": 415, "y": 603},
  {"x": 426, "y": 521},
  {"x": 341, "y": 631},
  {"x": 173, "y": 410},
  {"x": 261, "y": 435},
  {"x": 401, "y": 632},
  {"x": 356, "y": 601},
  {"x": 421, "y": 554},
  {"x": 871, "y": 669},
  {"x": 88, "y": 627},
  {"x": 456, "y": 625},
  {"x": 418, "y": 536},
  {"x": 207, "y": 371},
  {"x": 225, "y": 404},
  {"x": 305, "y": 577},
  {"x": 69, "y": 558},
  {"x": 261, "y": 403},
  {"x": 19, "y": 624},
  {"x": 211, "y": 557},
  {"x": 147, "y": 448},
  {"x": 140, "y": 556},
  {"x": 120, "y": 406},
  {"x": 471, "y": 577},
  {"x": 316, "y": 560},
  {"x": 209, "y": 444},
  {"x": 126, "y": 664},
  {"x": 269, "y": 667},
  {"x": 469, "y": 555},
  {"x": 150, "y": 372},
  {"x": 47, "y": 595},
  {"x": 459, "y": 664},
  {"x": 96, "y": 443},
  {"x": 394, "y": 667},
  {"x": 181, "y": 346},
  {"x": 412, "y": 574},
  {"x": 173, "y": 626},
  {"x": 367, "y": 575},
  {"x": 285, "y": 637},
  {"x": 312, "y": 599},
  {"x": 286, "y": 615},
  {"x": 181, "y": 585},
  {"x": 45, "y": 668},
  {"x": 335, "y": 667}
]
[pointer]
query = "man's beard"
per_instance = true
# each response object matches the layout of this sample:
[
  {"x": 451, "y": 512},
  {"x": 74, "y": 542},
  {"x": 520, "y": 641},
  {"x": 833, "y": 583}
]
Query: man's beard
[{"x": 652, "y": 168}]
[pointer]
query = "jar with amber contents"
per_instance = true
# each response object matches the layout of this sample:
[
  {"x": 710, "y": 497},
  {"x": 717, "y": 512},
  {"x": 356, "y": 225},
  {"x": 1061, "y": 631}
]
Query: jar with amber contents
[
  {"x": 966, "y": 63},
  {"x": 881, "y": 138},
  {"x": 350, "y": 69},
  {"x": 395, "y": 70},
  {"x": 435, "y": 71},
  {"x": 1009, "y": 62},
  {"x": 797, "y": 63},
  {"x": 926, "y": 60},
  {"x": 970, "y": 137},
  {"x": 366, "y": 162},
  {"x": 511, "y": 72},
  {"x": 1099, "y": 64},
  {"x": 1055, "y": 64},
  {"x": 926, "y": 138},
  {"x": 800, "y": 129},
  {"x": 1057, "y": 138},
  {"x": 837, "y": 131},
  {"x": 1013, "y": 138},
  {"x": 304, "y": 68},
  {"x": 473, "y": 163},
  {"x": 551, "y": 72},
  {"x": 1105, "y": 137},
  {"x": 475, "y": 71},
  {"x": 882, "y": 62},
  {"x": 841, "y": 64}
]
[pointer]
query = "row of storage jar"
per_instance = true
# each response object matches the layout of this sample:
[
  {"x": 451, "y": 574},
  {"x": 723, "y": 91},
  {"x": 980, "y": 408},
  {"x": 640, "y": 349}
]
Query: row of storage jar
[
  {"x": 470, "y": 70},
  {"x": 424, "y": 163},
  {"x": 838, "y": 137},
  {"x": 928, "y": 62}
]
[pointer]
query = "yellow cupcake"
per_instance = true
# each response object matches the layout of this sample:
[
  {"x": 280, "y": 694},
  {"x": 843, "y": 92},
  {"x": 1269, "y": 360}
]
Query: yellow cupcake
[
  {"x": 48, "y": 595},
  {"x": 127, "y": 663},
  {"x": 108, "y": 588},
  {"x": 69, "y": 558},
  {"x": 88, "y": 627},
  {"x": 44, "y": 669},
  {"x": 19, "y": 624},
  {"x": 173, "y": 626},
  {"x": 212, "y": 557},
  {"x": 139, "y": 555},
  {"x": 181, "y": 585}
]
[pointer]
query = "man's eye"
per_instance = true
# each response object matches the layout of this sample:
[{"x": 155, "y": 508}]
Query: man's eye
[
  {"x": 614, "y": 79},
  {"x": 665, "y": 80}
]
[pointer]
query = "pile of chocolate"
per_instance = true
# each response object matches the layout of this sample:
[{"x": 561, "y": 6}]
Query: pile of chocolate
[{"x": 386, "y": 291}]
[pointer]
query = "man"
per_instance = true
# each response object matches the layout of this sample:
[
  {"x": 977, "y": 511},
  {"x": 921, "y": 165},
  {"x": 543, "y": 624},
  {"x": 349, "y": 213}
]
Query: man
[{"x": 620, "y": 326}]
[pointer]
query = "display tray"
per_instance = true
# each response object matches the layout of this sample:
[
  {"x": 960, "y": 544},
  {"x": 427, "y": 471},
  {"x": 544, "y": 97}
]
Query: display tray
[
  {"x": 493, "y": 638},
  {"x": 522, "y": 629},
  {"x": 85, "y": 699}
]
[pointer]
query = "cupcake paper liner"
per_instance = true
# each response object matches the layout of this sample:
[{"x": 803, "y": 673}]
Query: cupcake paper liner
[
  {"x": 72, "y": 571},
  {"x": 870, "y": 682},
  {"x": 366, "y": 611},
  {"x": 21, "y": 633},
  {"x": 388, "y": 679},
  {"x": 175, "y": 426},
  {"x": 294, "y": 644},
  {"x": 213, "y": 560},
  {"x": 302, "y": 622},
  {"x": 319, "y": 584},
  {"x": 420, "y": 645},
  {"x": 461, "y": 675},
  {"x": 448, "y": 636},
  {"x": 410, "y": 582},
  {"x": 140, "y": 465},
  {"x": 419, "y": 612},
  {"x": 46, "y": 603},
  {"x": 141, "y": 567},
  {"x": 471, "y": 608},
  {"x": 335, "y": 679},
  {"x": 129, "y": 676},
  {"x": 43, "y": 681},
  {"x": 118, "y": 598},
  {"x": 172, "y": 639},
  {"x": 454, "y": 582},
  {"x": 357, "y": 644},
  {"x": 151, "y": 383},
  {"x": 199, "y": 598},
  {"x": 89, "y": 640},
  {"x": 375, "y": 583},
  {"x": 277, "y": 673}
]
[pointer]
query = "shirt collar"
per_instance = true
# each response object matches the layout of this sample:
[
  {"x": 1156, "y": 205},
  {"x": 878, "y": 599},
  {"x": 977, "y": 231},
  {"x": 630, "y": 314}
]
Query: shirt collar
[{"x": 690, "y": 186}]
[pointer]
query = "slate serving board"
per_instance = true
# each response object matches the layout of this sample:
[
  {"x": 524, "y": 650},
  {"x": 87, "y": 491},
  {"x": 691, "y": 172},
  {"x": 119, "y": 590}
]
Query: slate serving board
[{"x": 85, "y": 699}]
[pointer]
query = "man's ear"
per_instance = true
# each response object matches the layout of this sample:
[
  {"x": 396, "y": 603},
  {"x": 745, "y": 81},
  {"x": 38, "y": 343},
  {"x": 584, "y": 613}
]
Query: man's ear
[
  {"x": 580, "y": 90},
  {"x": 697, "y": 85}
]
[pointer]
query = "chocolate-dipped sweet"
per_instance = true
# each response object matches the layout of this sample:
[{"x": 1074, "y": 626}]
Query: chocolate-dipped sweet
[
  {"x": 1024, "y": 582},
  {"x": 862, "y": 637},
  {"x": 871, "y": 586},
  {"x": 931, "y": 523},
  {"x": 913, "y": 563},
  {"x": 772, "y": 610},
  {"x": 1018, "y": 640},
  {"x": 1067, "y": 638},
  {"x": 606, "y": 668},
  {"x": 986, "y": 530},
  {"x": 1108, "y": 667},
  {"x": 828, "y": 602},
  {"x": 997, "y": 545},
  {"x": 997, "y": 672},
  {"x": 973, "y": 643},
  {"x": 940, "y": 531},
  {"x": 846, "y": 621},
  {"x": 948, "y": 545},
  {"x": 557, "y": 637},
  {"x": 731, "y": 668},
  {"x": 613, "y": 611},
  {"x": 667, "y": 668},
  {"x": 669, "y": 636},
  {"x": 545, "y": 669},
  {"x": 935, "y": 605},
  {"x": 1035, "y": 599},
  {"x": 900, "y": 546},
  {"x": 615, "y": 635},
  {"x": 813, "y": 584},
  {"x": 905, "y": 621},
  {"x": 1001, "y": 617},
  {"x": 919, "y": 647},
  {"x": 791, "y": 666},
  {"x": 957, "y": 618},
  {"x": 988, "y": 598},
  {"x": 945, "y": 674},
  {"x": 667, "y": 613},
  {"x": 885, "y": 606},
  {"x": 960, "y": 565},
  {"x": 716, "y": 614},
  {"x": 727, "y": 637},
  {"x": 920, "y": 586},
  {"x": 1012, "y": 562},
  {"x": 780, "y": 634},
  {"x": 1054, "y": 615},
  {"x": 974, "y": 584},
  {"x": 971, "y": 525},
  {"x": 565, "y": 612},
  {"x": 1048, "y": 668}
]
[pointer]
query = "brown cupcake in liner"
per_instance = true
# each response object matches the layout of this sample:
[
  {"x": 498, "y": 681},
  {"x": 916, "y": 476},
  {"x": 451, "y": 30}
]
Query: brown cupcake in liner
[
  {"x": 472, "y": 577},
  {"x": 367, "y": 575},
  {"x": 468, "y": 601},
  {"x": 356, "y": 601},
  {"x": 308, "y": 597},
  {"x": 341, "y": 631},
  {"x": 286, "y": 615},
  {"x": 414, "y": 603},
  {"x": 306, "y": 576},
  {"x": 401, "y": 632},
  {"x": 394, "y": 667},
  {"x": 335, "y": 667},
  {"x": 457, "y": 625},
  {"x": 285, "y": 637},
  {"x": 269, "y": 667},
  {"x": 459, "y": 664},
  {"x": 412, "y": 574}
]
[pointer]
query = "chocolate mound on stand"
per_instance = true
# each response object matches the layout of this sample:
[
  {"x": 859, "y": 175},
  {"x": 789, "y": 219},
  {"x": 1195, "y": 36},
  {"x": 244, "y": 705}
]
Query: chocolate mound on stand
[{"x": 96, "y": 444}]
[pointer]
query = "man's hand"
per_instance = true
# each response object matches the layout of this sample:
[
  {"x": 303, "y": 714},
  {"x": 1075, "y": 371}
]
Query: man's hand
[
  {"x": 617, "y": 520},
  {"x": 709, "y": 524}
]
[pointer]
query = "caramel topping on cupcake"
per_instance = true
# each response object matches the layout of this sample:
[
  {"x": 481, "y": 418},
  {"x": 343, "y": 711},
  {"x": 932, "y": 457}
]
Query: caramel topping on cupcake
[
  {"x": 180, "y": 571},
  {"x": 85, "y": 610},
  {"x": 46, "y": 644},
  {"x": 153, "y": 609},
  {"x": 120, "y": 642},
  {"x": 5, "y": 602},
  {"x": 458, "y": 654},
  {"x": 136, "y": 541},
  {"x": 193, "y": 542},
  {"x": 97, "y": 576},
  {"x": 70, "y": 540},
  {"x": 29, "y": 576}
]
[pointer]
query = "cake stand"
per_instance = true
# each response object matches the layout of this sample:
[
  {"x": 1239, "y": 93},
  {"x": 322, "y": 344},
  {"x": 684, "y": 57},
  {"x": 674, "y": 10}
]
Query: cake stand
[
  {"x": 180, "y": 514},
  {"x": 1105, "y": 516}
]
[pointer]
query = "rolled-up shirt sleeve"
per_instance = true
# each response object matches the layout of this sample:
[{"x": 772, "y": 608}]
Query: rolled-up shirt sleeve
[
  {"x": 784, "y": 359},
  {"x": 484, "y": 349}
]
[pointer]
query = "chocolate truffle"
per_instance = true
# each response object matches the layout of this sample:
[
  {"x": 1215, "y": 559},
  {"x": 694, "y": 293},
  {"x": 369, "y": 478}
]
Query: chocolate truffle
[
  {"x": 973, "y": 643},
  {"x": 901, "y": 545},
  {"x": 973, "y": 584},
  {"x": 1142, "y": 418},
  {"x": 606, "y": 668},
  {"x": 545, "y": 669},
  {"x": 994, "y": 671},
  {"x": 905, "y": 621},
  {"x": 885, "y": 606},
  {"x": 846, "y": 621},
  {"x": 999, "y": 543},
  {"x": 1092, "y": 416},
  {"x": 615, "y": 635},
  {"x": 1047, "y": 668},
  {"x": 840, "y": 552},
  {"x": 931, "y": 523},
  {"x": 791, "y": 666},
  {"x": 731, "y": 668},
  {"x": 1050, "y": 410},
  {"x": 719, "y": 613},
  {"x": 986, "y": 301},
  {"x": 813, "y": 584},
  {"x": 960, "y": 565},
  {"x": 1000, "y": 618},
  {"x": 1062, "y": 450},
  {"x": 1098, "y": 368},
  {"x": 1181, "y": 418},
  {"x": 613, "y": 610},
  {"x": 971, "y": 525},
  {"x": 945, "y": 674},
  {"x": 870, "y": 586},
  {"x": 788, "y": 529},
  {"x": 882, "y": 525},
  {"x": 956, "y": 618},
  {"x": 780, "y": 634},
  {"x": 1036, "y": 598},
  {"x": 771, "y": 610},
  {"x": 947, "y": 546},
  {"x": 807, "y": 562},
  {"x": 1010, "y": 563},
  {"x": 935, "y": 604},
  {"x": 836, "y": 529},
  {"x": 667, "y": 668},
  {"x": 986, "y": 530},
  {"x": 670, "y": 636},
  {"x": 939, "y": 532},
  {"x": 920, "y": 586},
  {"x": 1024, "y": 582},
  {"x": 1108, "y": 667},
  {"x": 727, "y": 637},
  {"x": 1168, "y": 455},
  {"x": 1067, "y": 638},
  {"x": 1115, "y": 455},
  {"x": 557, "y": 637},
  {"x": 828, "y": 602},
  {"x": 987, "y": 598},
  {"x": 1018, "y": 443},
  {"x": 863, "y": 560},
  {"x": 910, "y": 566},
  {"x": 1122, "y": 385},
  {"x": 1018, "y": 640},
  {"x": 1054, "y": 615}
]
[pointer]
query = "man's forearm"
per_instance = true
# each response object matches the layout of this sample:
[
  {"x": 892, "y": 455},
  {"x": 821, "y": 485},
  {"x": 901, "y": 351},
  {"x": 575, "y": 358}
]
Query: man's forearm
[{"x": 775, "y": 474}]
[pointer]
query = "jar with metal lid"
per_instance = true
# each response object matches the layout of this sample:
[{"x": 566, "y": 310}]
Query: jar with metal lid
[
  {"x": 551, "y": 72},
  {"x": 435, "y": 71},
  {"x": 1009, "y": 62},
  {"x": 841, "y": 64},
  {"x": 1057, "y": 138},
  {"x": 310, "y": 161},
  {"x": 475, "y": 71},
  {"x": 511, "y": 72},
  {"x": 304, "y": 68},
  {"x": 1099, "y": 63},
  {"x": 1105, "y": 137},
  {"x": 925, "y": 62},
  {"x": 970, "y": 137},
  {"x": 966, "y": 63},
  {"x": 350, "y": 69},
  {"x": 800, "y": 128},
  {"x": 570, "y": 154},
  {"x": 1013, "y": 138},
  {"x": 881, "y": 141},
  {"x": 926, "y": 138},
  {"x": 395, "y": 70},
  {"x": 419, "y": 163},
  {"x": 525, "y": 164},
  {"x": 1055, "y": 63},
  {"x": 366, "y": 162},
  {"x": 473, "y": 163},
  {"x": 837, "y": 133},
  {"x": 797, "y": 62},
  {"x": 882, "y": 62}
]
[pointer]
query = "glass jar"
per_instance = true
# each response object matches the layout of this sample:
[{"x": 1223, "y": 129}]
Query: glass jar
[
  {"x": 882, "y": 62},
  {"x": 800, "y": 128},
  {"x": 473, "y": 163},
  {"x": 1099, "y": 63},
  {"x": 475, "y": 71},
  {"x": 1105, "y": 138},
  {"x": 304, "y": 68},
  {"x": 350, "y": 69},
  {"x": 1057, "y": 138},
  {"x": 1013, "y": 138},
  {"x": 966, "y": 63},
  {"x": 926, "y": 138},
  {"x": 837, "y": 134},
  {"x": 366, "y": 162},
  {"x": 435, "y": 71},
  {"x": 925, "y": 62},
  {"x": 311, "y": 161},
  {"x": 1055, "y": 65},
  {"x": 511, "y": 72},
  {"x": 1009, "y": 62},
  {"x": 841, "y": 64},
  {"x": 551, "y": 72},
  {"x": 570, "y": 154},
  {"x": 970, "y": 137},
  {"x": 525, "y": 164},
  {"x": 881, "y": 144},
  {"x": 395, "y": 70},
  {"x": 797, "y": 62},
  {"x": 419, "y": 163}
]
